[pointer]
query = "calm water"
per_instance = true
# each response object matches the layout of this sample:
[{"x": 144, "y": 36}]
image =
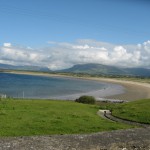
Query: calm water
[{"x": 29, "y": 86}]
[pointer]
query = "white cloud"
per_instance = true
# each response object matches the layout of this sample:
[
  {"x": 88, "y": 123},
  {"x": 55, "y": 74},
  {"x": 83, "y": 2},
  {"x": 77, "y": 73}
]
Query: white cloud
[
  {"x": 81, "y": 47},
  {"x": 7, "y": 44},
  {"x": 146, "y": 43},
  {"x": 64, "y": 55}
]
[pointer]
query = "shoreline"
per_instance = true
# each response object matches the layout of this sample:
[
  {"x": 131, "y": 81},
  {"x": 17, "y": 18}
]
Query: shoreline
[{"x": 133, "y": 90}]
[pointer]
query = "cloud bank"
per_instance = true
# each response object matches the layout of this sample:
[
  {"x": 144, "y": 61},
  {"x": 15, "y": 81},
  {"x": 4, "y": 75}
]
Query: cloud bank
[{"x": 64, "y": 55}]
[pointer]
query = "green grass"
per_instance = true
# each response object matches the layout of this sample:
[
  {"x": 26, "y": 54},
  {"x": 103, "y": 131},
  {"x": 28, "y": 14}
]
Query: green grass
[
  {"x": 44, "y": 117},
  {"x": 137, "y": 111}
]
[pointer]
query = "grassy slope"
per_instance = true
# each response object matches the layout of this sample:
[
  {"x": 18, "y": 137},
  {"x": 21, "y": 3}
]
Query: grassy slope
[
  {"x": 43, "y": 117},
  {"x": 136, "y": 111}
]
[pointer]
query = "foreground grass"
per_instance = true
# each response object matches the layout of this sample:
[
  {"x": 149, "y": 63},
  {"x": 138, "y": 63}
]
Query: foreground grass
[
  {"x": 137, "y": 111},
  {"x": 43, "y": 117}
]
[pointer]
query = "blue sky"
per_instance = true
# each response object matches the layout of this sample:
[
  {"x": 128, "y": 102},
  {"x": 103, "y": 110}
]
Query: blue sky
[
  {"x": 49, "y": 25},
  {"x": 33, "y": 22}
]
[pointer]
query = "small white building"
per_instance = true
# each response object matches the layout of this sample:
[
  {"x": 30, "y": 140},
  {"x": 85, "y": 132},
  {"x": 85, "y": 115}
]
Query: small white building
[{"x": 3, "y": 96}]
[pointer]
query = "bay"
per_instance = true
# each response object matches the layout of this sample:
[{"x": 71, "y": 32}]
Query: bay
[{"x": 44, "y": 87}]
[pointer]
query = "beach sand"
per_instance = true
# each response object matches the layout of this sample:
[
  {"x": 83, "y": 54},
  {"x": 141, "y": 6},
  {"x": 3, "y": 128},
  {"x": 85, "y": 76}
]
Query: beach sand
[{"x": 132, "y": 90}]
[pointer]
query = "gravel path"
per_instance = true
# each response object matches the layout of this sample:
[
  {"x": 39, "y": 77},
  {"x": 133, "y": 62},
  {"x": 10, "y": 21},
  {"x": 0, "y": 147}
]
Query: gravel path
[{"x": 131, "y": 139}]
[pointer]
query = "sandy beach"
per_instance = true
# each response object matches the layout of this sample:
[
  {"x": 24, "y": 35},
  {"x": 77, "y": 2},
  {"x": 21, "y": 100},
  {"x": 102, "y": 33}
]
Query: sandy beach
[{"x": 132, "y": 90}]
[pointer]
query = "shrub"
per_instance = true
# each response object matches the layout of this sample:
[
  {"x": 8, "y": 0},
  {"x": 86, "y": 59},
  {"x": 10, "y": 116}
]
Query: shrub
[{"x": 86, "y": 99}]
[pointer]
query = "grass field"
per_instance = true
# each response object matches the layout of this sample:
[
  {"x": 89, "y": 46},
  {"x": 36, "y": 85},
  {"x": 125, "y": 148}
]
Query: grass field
[
  {"x": 137, "y": 111},
  {"x": 43, "y": 117}
]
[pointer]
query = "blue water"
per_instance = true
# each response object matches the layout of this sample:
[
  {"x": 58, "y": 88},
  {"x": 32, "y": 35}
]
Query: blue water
[{"x": 29, "y": 86}]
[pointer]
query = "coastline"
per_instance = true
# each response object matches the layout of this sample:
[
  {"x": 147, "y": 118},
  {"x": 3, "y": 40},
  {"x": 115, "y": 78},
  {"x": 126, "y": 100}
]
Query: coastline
[{"x": 132, "y": 90}]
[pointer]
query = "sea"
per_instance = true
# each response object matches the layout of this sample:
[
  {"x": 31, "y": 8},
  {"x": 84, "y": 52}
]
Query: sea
[{"x": 46, "y": 87}]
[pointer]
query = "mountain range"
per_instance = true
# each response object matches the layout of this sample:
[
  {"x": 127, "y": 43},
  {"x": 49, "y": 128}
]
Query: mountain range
[
  {"x": 107, "y": 70},
  {"x": 29, "y": 68},
  {"x": 93, "y": 69}
]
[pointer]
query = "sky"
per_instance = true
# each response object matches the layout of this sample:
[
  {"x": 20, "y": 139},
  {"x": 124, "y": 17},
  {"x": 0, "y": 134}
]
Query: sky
[{"x": 61, "y": 33}]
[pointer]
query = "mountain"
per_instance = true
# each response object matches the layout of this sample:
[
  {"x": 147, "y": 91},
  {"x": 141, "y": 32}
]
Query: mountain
[
  {"x": 29, "y": 68},
  {"x": 93, "y": 69},
  {"x": 107, "y": 70},
  {"x": 138, "y": 71}
]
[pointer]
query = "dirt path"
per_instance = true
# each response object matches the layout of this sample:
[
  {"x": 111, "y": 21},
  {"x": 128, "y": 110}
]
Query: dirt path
[{"x": 131, "y": 139}]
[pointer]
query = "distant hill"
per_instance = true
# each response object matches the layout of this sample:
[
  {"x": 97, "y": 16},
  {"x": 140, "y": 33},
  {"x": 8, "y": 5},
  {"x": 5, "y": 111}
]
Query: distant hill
[
  {"x": 93, "y": 69},
  {"x": 29, "y": 68},
  {"x": 107, "y": 70}
]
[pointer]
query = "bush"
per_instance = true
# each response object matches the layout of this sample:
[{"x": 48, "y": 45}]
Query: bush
[{"x": 86, "y": 100}]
